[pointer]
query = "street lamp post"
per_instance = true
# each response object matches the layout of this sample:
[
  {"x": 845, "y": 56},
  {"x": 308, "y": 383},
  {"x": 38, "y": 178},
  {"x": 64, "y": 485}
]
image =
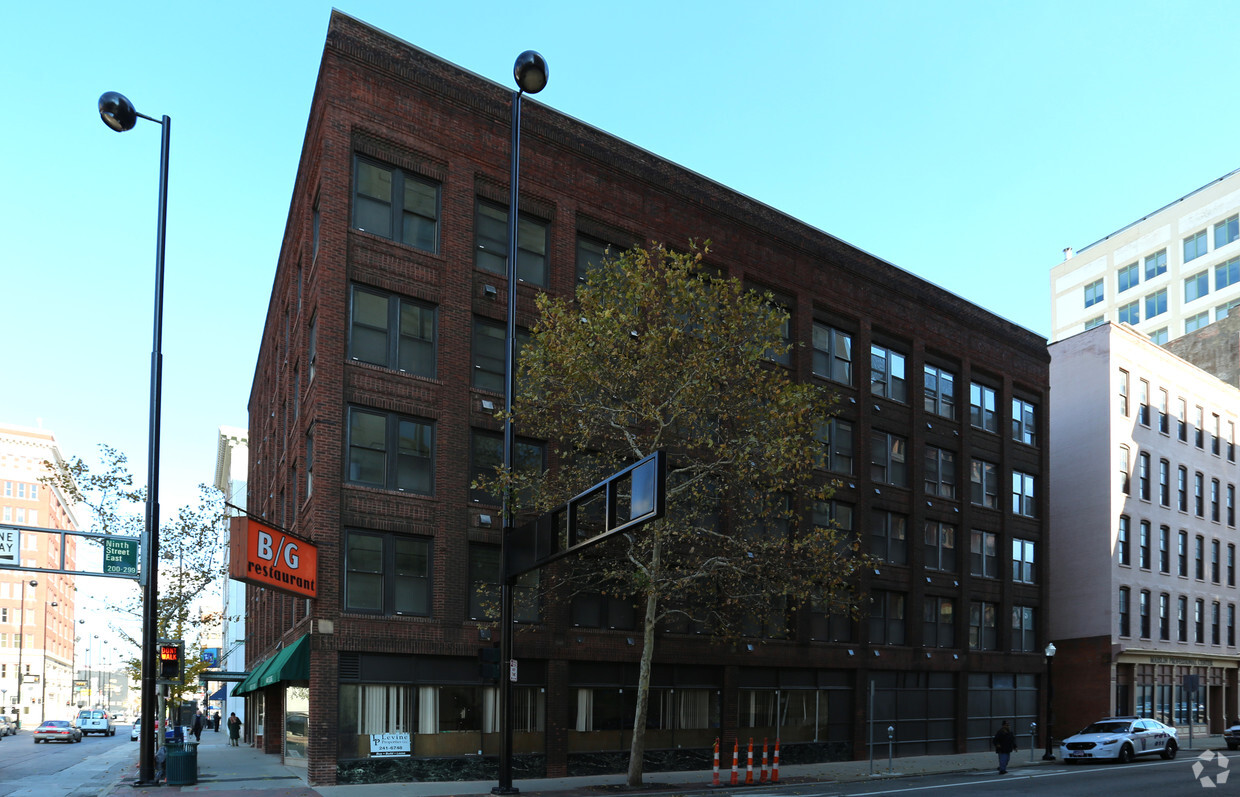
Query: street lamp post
[
  {"x": 21, "y": 648},
  {"x": 43, "y": 678},
  {"x": 119, "y": 114},
  {"x": 530, "y": 73},
  {"x": 1050, "y": 656}
]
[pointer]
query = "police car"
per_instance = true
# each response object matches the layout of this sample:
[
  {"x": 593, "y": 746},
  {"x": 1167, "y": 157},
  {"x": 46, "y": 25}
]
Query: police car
[{"x": 1120, "y": 739}]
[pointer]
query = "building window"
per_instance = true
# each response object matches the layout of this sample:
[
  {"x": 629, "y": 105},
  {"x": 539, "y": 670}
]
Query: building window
[
  {"x": 1182, "y": 419},
  {"x": 1156, "y": 303},
  {"x": 1199, "y": 621},
  {"x": 1231, "y": 564},
  {"x": 1199, "y": 558},
  {"x": 394, "y": 204},
  {"x": 387, "y": 574},
  {"x": 1195, "y": 322},
  {"x": 1093, "y": 293},
  {"x": 393, "y": 332},
  {"x": 1214, "y": 500},
  {"x": 1162, "y": 410},
  {"x": 1095, "y": 322},
  {"x": 889, "y": 538},
  {"x": 1143, "y": 545},
  {"x": 983, "y": 554},
  {"x": 1143, "y": 476},
  {"x": 1164, "y": 617},
  {"x": 1125, "y": 627},
  {"x": 1182, "y": 488},
  {"x": 1130, "y": 313},
  {"x": 939, "y": 391},
  {"x": 1143, "y": 613},
  {"x": 1231, "y": 441},
  {"x": 982, "y": 407},
  {"x": 1215, "y": 432},
  {"x": 832, "y": 354},
  {"x": 887, "y": 374},
  {"x": 1227, "y": 274},
  {"x": 1123, "y": 392},
  {"x": 316, "y": 218},
  {"x": 940, "y": 472},
  {"x": 487, "y": 455},
  {"x": 837, "y": 442},
  {"x": 1123, "y": 541},
  {"x": 1164, "y": 549},
  {"x": 1022, "y": 562},
  {"x": 939, "y": 630},
  {"x": 1181, "y": 609},
  {"x": 984, "y": 483},
  {"x": 1129, "y": 276},
  {"x": 312, "y": 348},
  {"x": 1195, "y": 246},
  {"x": 1156, "y": 264},
  {"x": 1124, "y": 478},
  {"x": 1024, "y": 423},
  {"x": 391, "y": 451},
  {"x": 1224, "y": 309},
  {"x": 1199, "y": 499},
  {"x": 1143, "y": 402},
  {"x": 1231, "y": 505},
  {"x": 491, "y": 243},
  {"x": 1226, "y": 231},
  {"x": 1199, "y": 429},
  {"x": 1164, "y": 483},
  {"x": 592, "y": 253},
  {"x": 1196, "y": 286},
  {"x": 1022, "y": 494},
  {"x": 888, "y": 463},
  {"x": 1182, "y": 554},
  {"x": 940, "y": 546},
  {"x": 490, "y": 339},
  {"x": 309, "y": 464},
  {"x": 1231, "y": 625},
  {"x": 485, "y": 582},
  {"x": 1024, "y": 632},
  {"x": 887, "y": 618},
  {"x": 982, "y": 625}
]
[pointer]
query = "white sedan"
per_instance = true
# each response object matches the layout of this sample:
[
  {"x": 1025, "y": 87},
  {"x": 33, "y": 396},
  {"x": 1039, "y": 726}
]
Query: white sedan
[{"x": 1120, "y": 739}]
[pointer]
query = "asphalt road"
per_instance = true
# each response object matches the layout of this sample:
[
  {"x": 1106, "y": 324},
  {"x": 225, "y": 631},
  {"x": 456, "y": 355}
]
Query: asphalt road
[{"x": 57, "y": 769}]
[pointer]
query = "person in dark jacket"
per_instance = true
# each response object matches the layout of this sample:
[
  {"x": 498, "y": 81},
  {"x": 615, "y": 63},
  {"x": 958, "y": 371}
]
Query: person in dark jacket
[
  {"x": 215, "y": 722},
  {"x": 197, "y": 727},
  {"x": 1005, "y": 743}
]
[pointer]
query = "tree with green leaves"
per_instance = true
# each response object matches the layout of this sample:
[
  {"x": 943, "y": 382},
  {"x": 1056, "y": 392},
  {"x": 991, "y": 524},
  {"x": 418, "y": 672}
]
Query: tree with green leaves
[
  {"x": 655, "y": 352},
  {"x": 191, "y": 551}
]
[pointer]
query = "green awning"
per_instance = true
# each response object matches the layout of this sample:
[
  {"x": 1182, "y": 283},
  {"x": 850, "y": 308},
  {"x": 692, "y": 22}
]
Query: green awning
[
  {"x": 250, "y": 683},
  {"x": 290, "y": 664}
]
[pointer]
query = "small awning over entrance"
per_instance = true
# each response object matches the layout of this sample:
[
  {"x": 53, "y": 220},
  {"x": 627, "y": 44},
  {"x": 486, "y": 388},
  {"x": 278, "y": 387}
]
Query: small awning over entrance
[
  {"x": 290, "y": 664},
  {"x": 219, "y": 694}
]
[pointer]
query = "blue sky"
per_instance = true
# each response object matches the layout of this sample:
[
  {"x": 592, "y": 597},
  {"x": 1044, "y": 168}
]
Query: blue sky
[{"x": 966, "y": 142}]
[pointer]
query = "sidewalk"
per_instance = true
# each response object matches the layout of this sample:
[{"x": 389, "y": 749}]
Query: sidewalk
[{"x": 245, "y": 772}]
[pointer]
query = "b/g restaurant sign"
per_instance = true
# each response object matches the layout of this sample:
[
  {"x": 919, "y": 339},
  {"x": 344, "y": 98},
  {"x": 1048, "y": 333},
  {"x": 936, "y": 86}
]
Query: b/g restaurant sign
[{"x": 266, "y": 557}]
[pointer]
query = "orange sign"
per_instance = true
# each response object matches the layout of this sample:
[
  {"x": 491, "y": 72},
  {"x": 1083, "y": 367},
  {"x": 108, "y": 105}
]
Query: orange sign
[{"x": 265, "y": 557}]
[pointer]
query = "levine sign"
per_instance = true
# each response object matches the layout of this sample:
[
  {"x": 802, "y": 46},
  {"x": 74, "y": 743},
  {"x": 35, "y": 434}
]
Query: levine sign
[{"x": 267, "y": 557}]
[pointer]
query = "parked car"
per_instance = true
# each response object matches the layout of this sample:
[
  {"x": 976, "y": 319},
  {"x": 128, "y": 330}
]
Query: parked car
[
  {"x": 57, "y": 731},
  {"x": 1232, "y": 736},
  {"x": 1120, "y": 739},
  {"x": 136, "y": 730},
  {"x": 7, "y": 728},
  {"x": 95, "y": 720}
]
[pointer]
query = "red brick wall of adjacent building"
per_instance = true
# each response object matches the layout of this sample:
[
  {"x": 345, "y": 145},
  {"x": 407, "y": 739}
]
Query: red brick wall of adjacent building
[{"x": 1083, "y": 685}]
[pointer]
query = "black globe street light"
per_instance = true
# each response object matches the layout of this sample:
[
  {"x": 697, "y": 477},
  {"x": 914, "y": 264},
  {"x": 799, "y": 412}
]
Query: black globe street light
[
  {"x": 21, "y": 648},
  {"x": 530, "y": 73},
  {"x": 119, "y": 114},
  {"x": 1050, "y": 656}
]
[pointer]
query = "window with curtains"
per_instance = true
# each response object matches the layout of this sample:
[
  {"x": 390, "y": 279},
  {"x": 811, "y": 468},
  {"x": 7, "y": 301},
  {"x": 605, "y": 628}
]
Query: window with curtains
[
  {"x": 442, "y": 720},
  {"x": 601, "y": 718}
]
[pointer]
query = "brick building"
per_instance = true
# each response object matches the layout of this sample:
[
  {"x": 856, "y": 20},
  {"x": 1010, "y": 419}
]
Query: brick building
[{"x": 372, "y": 407}]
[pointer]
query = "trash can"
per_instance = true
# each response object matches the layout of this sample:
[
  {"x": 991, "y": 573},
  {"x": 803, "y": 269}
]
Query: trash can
[{"x": 181, "y": 765}]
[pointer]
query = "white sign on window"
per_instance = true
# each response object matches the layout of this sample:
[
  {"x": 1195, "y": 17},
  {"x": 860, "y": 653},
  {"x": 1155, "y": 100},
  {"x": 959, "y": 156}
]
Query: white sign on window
[{"x": 389, "y": 744}]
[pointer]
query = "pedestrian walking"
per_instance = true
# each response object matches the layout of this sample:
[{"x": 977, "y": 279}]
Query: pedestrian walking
[
  {"x": 1005, "y": 744},
  {"x": 197, "y": 727},
  {"x": 234, "y": 729},
  {"x": 215, "y": 722}
]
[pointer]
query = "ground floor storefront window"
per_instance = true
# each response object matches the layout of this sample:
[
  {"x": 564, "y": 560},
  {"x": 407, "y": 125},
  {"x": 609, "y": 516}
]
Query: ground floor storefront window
[
  {"x": 296, "y": 723},
  {"x": 602, "y": 718},
  {"x": 1179, "y": 692},
  {"x": 995, "y": 697},
  {"x": 384, "y": 720}
]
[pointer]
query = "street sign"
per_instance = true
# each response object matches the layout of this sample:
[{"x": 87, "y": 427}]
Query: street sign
[
  {"x": 9, "y": 540},
  {"x": 120, "y": 556},
  {"x": 512, "y": 670}
]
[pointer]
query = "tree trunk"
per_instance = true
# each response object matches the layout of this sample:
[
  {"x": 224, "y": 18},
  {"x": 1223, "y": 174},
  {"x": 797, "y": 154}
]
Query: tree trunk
[{"x": 637, "y": 749}]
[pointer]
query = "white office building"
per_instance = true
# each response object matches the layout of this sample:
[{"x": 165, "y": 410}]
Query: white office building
[
  {"x": 1167, "y": 274},
  {"x": 1143, "y": 527}
]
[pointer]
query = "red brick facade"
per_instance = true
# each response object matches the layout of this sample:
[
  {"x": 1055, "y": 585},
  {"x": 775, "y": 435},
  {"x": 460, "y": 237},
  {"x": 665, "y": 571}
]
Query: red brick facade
[{"x": 402, "y": 107}]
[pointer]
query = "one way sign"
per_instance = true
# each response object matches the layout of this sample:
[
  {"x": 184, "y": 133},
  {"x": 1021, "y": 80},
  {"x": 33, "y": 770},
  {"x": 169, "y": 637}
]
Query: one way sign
[{"x": 8, "y": 546}]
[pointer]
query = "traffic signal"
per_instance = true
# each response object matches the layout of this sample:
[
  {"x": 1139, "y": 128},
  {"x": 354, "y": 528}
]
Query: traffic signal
[
  {"x": 488, "y": 663},
  {"x": 171, "y": 656}
]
